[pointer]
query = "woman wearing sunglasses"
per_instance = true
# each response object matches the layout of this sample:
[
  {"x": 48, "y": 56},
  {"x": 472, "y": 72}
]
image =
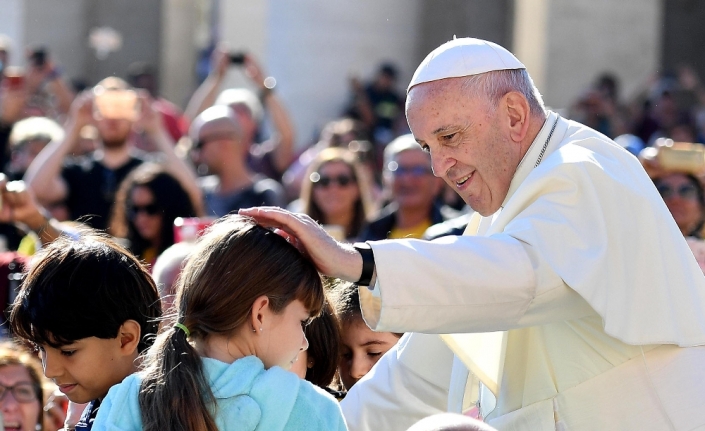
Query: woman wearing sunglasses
[
  {"x": 336, "y": 192},
  {"x": 147, "y": 203},
  {"x": 675, "y": 169}
]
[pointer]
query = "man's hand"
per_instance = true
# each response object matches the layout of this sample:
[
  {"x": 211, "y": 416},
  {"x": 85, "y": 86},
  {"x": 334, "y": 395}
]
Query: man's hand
[
  {"x": 331, "y": 258},
  {"x": 18, "y": 204},
  {"x": 81, "y": 112},
  {"x": 150, "y": 119},
  {"x": 253, "y": 70}
]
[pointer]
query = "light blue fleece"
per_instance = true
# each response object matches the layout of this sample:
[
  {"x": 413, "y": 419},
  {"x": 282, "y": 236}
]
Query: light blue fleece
[{"x": 248, "y": 397}]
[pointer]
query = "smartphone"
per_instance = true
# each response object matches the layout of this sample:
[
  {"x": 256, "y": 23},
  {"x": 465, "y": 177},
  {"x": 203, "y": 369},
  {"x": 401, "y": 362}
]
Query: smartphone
[
  {"x": 38, "y": 57},
  {"x": 116, "y": 104},
  {"x": 682, "y": 157},
  {"x": 237, "y": 58},
  {"x": 14, "y": 77}
]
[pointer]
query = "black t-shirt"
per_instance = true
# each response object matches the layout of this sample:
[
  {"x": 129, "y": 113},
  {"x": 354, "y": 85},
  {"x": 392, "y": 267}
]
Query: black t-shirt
[{"x": 92, "y": 187}]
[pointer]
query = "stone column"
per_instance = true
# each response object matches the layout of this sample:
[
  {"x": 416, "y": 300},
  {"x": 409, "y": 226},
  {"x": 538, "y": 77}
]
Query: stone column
[{"x": 566, "y": 44}]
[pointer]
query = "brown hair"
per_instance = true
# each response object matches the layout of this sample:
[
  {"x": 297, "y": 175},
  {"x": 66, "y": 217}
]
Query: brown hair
[
  {"x": 12, "y": 354},
  {"x": 364, "y": 207},
  {"x": 234, "y": 263},
  {"x": 323, "y": 335}
]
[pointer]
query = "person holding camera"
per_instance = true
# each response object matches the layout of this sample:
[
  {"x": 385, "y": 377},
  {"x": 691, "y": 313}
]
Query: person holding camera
[
  {"x": 88, "y": 184},
  {"x": 272, "y": 156}
]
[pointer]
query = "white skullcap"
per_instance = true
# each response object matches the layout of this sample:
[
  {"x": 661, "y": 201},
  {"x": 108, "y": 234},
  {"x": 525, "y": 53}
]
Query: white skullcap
[{"x": 463, "y": 57}]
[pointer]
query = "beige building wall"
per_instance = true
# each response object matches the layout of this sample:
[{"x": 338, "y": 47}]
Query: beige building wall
[
  {"x": 566, "y": 44},
  {"x": 12, "y": 26},
  {"x": 313, "y": 47},
  {"x": 180, "y": 19}
]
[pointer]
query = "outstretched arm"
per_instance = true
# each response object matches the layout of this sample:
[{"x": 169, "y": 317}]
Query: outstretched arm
[{"x": 205, "y": 95}]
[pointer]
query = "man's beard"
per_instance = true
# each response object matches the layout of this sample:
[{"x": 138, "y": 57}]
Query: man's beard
[{"x": 114, "y": 143}]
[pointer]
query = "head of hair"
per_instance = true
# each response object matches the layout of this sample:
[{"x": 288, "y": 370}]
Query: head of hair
[
  {"x": 363, "y": 206},
  {"x": 85, "y": 287},
  {"x": 450, "y": 422},
  {"x": 35, "y": 129},
  {"x": 346, "y": 302},
  {"x": 12, "y": 354},
  {"x": 114, "y": 83},
  {"x": 167, "y": 268},
  {"x": 400, "y": 144},
  {"x": 323, "y": 335},
  {"x": 169, "y": 197},
  {"x": 235, "y": 262},
  {"x": 496, "y": 84},
  {"x": 242, "y": 96}
]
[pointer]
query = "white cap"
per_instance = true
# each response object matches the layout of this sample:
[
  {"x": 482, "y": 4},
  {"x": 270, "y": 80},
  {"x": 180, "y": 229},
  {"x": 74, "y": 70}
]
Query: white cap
[{"x": 464, "y": 57}]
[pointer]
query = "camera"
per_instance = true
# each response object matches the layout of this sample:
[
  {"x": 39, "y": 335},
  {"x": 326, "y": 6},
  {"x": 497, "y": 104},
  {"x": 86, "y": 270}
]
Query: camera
[
  {"x": 237, "y": 58},
  {"x": 38, "y": 56}
]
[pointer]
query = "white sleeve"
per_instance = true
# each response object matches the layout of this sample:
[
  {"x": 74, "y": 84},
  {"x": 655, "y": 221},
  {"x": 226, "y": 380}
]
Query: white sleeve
[
  {"x": 465, "y": 284},
  {"x": 410, "y": 382}
]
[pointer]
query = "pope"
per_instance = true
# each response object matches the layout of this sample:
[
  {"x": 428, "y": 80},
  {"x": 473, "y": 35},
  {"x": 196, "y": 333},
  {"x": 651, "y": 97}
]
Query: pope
[{"x": 572, "y": 301}]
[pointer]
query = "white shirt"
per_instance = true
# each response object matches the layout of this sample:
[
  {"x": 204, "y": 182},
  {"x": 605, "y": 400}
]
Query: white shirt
[{"x": 586, "y": 270}]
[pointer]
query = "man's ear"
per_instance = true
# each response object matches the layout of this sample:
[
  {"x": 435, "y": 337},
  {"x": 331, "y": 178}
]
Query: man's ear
[
  {"x": 518, "y": 111},
  {"x": 129, "y": 335},
  {"x": 260, "y": 310}
]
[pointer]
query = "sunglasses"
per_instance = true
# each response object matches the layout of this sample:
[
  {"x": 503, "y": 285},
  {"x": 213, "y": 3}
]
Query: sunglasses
[
  {"x": 149, "y": 209},
  {"x": 415, "y": 171},
  {"x": 321, "y": 181},
  {"x": 686, "y": 191}
]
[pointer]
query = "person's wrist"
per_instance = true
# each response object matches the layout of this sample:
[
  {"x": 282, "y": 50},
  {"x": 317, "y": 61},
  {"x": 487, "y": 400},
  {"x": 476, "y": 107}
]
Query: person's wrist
[{"x": 368, "y": 263}]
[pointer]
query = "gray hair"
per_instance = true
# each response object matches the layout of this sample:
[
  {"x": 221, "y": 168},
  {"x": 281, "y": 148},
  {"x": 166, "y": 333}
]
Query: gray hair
[
  {"x": 402, "y": 143},
  {"x": 494, "y": 85}
]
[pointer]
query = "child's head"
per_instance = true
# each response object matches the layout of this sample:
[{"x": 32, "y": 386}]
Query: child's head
[
  {"x": 243, "y": 283},
  {"x": 361, "y": 347},
  {"x": 319, "y": 363},
  {"x": 90, "y": 307}
]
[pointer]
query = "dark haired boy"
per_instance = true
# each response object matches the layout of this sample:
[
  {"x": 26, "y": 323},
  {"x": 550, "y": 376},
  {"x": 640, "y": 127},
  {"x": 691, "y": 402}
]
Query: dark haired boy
[{"x": 91, "y": 308}]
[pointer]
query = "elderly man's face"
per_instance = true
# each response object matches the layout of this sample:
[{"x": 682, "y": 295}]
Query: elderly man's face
[{"x": 470, "y": 148}]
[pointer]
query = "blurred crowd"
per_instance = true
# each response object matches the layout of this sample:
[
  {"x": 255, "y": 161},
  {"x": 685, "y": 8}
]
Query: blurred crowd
[{"x": 118, "y": 157}]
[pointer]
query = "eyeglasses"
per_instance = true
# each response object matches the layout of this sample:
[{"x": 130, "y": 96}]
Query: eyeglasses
[
  {"x": 686, "y": 191},
  {"x": 415, "y": 171},
  {"x": 24, "y": 392},
  {"x": 341, "y": 180},
  {"x": 199, "y": 144},
  {"x": 149, "y": 209}
]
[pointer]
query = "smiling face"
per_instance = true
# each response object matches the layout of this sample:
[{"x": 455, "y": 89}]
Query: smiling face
[
  {"x": 282, "y": 336},
  {"x": 469, "y": 142},
  {"x": 336, "y": 192},
  {"x": 18, "y": 416},
  {"x": 362, "y": 348}
]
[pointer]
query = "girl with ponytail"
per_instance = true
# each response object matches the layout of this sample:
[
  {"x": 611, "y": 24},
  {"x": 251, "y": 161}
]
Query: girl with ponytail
[{"x": 242, "y": 300}]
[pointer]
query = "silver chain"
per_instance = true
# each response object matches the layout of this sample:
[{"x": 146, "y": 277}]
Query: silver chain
[{"x": 543, "y": 150}]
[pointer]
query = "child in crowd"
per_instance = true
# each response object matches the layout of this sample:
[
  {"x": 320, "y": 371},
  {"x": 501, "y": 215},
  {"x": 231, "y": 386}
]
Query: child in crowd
[
  {"x": 242, "y": 301},
  {"x": 319, "y": 363},
  {"x": 90, "y": 307},
  {"x": 361, "y": 346}
]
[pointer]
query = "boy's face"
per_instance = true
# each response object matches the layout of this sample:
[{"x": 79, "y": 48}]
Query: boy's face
[{"x": 87, "y": 368}]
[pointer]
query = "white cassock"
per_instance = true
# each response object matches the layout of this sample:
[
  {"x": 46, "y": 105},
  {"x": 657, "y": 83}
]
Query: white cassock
[{"x": 601, "y": 299}]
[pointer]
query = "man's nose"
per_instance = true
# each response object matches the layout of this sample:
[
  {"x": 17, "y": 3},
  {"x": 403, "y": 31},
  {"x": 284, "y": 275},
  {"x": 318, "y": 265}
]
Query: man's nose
[{"x": 440, "y": 163}]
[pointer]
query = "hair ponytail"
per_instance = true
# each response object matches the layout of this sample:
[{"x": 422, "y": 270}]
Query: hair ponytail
[{"x": 175, "y": 394}]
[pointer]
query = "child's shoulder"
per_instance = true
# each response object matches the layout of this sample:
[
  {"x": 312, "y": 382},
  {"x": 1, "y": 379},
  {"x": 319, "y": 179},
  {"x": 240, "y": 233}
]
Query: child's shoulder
[
  {"x": 317, "y": 409},
  {"x": 121, "y": 408}
]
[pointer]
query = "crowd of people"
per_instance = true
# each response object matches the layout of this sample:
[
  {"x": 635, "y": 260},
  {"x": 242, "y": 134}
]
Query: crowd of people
[{"x": 98, "y": 182}]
